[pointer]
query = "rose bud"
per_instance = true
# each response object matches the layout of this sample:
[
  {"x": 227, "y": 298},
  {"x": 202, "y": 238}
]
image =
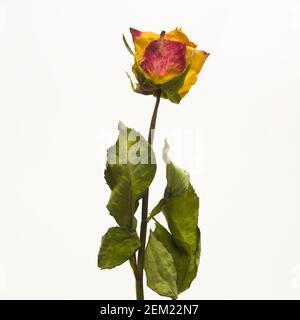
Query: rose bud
[{"x": 168, "y": 62}]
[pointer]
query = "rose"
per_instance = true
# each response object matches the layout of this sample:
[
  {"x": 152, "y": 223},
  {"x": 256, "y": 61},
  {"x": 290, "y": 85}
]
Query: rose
[
  {"x": 168, "y": 62},
  {"x": 165, "y": 65}
]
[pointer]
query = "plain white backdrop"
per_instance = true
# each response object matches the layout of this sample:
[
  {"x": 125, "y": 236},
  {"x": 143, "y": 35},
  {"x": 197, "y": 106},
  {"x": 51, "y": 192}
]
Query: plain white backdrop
[{"x": 63, "y": 85}]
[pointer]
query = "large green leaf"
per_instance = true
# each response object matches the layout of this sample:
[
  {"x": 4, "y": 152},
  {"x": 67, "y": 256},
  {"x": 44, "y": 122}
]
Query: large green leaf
[
  {"x": 130, "y": 169},
  {"x": 117, "y": 246},
  {"x": 180, "y": 256},
  {"x": 181, "y": 213},
  {"x": 180, "y": 207},
  {"x": 160, "y": 269}
]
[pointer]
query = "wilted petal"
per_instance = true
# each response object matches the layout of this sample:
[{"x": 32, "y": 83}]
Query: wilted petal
[
  {"x": 196, "y": 58},
  {"x": 135, "y": 33},
  {"x": 164, "y": 59},
  {"x": 141, "y": 40},
  {"x": 178, "y": 35}
]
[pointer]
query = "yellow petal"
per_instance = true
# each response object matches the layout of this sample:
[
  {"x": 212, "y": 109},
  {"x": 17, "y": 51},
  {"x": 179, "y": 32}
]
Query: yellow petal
[
  {"x": 135, "y": 71},
  {"x": 141, "y": 42},
  {"x": 178, "y": 35},
  {"x": 197, "y": 59}
]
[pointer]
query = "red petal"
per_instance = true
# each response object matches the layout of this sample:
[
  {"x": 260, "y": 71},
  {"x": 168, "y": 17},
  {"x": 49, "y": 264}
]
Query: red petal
[
  {"x": 163, "y": 57},
  {"x": 135, "y": 33}
]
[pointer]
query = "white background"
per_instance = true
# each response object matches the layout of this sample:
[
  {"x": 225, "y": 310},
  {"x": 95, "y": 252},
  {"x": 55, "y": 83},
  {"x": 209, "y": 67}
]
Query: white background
[{"x": 62, "y": 84}]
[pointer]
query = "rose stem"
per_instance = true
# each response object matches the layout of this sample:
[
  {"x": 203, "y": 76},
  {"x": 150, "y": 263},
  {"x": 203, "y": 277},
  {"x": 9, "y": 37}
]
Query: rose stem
[{"x": 143, "y": 230}]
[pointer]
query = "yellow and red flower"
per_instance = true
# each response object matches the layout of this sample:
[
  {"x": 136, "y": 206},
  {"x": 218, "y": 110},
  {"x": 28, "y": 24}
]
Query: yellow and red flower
[{"x": 169, "y": 62}]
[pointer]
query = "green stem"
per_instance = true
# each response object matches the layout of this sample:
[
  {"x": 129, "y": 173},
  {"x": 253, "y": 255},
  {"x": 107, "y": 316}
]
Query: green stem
[{"x": 143, "y": 230}]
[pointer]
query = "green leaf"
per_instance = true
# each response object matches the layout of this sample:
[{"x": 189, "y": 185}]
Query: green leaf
[
  {"x": 144, "y": 86},
  {"x": 181, "y": 211},
  {"x": 130, "y": 169},
  {"x": 145, "y": 89},
  {"x": 172, "y": 87},
  {"x": 127, "y": 45},
  {"x": 175, "y": 98},
  {"x": 117, "y": 246},
  {"x": 180, "y": 207},
  {"x": 178, "y": 180},
  {"x": 180, "y": 256},
  {"x": 160, "y": 269},
  {"x": 156, "y": 210},
  {"x": 133, "y": 87}
]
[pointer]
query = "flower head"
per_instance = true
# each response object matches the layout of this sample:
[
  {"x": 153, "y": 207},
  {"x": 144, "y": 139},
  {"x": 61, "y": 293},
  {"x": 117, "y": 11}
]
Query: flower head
[{"x": 168, "y": 62}]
